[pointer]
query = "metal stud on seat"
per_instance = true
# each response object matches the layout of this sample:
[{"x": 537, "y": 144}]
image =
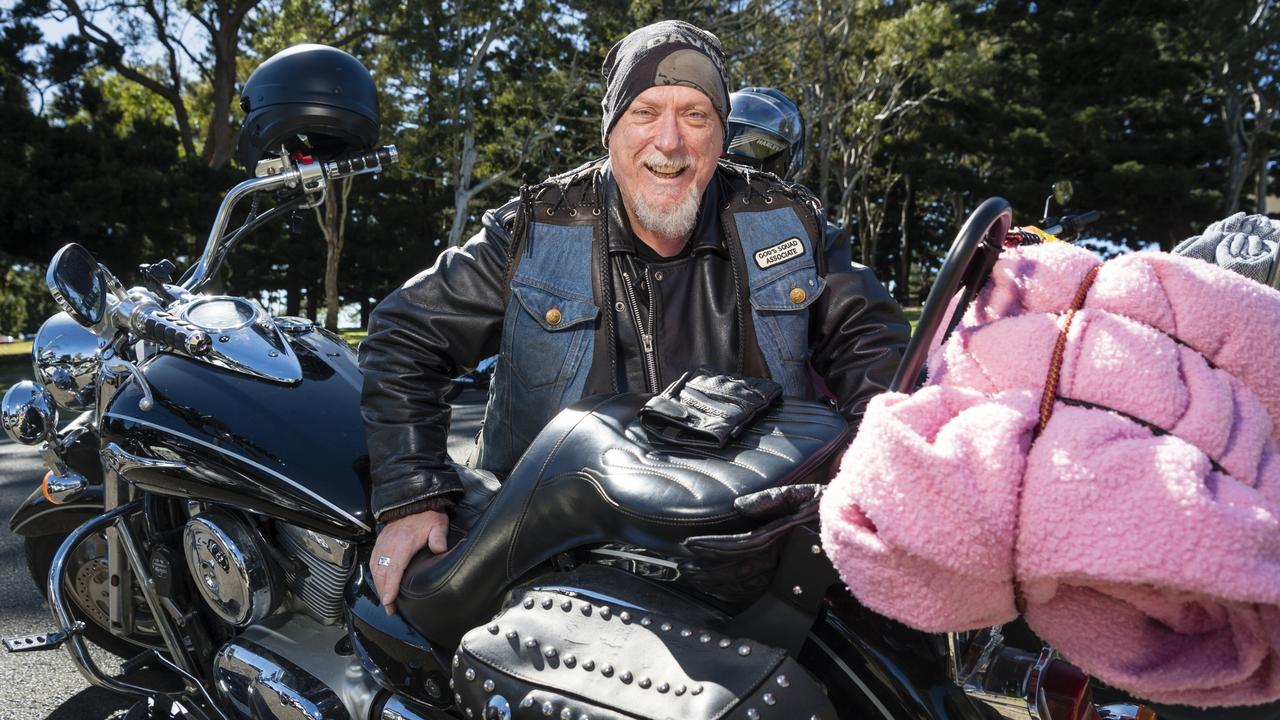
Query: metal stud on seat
[
  {"x": 783, "y": 681},
  {"x": 488, "y": 686},
  {"x": 470, "y": 674},
  {"x": 753, "y": 714},
  {"x": 644, "y": 683},
  {"x": 546, "y": 604},
  {"x": 548, "y": 708},
  {"x": 725, "y": 642},
  {"x": 531, "y": 643},
  {"x": 744, "y": 650},
  {"x": 528, "y": 604}
]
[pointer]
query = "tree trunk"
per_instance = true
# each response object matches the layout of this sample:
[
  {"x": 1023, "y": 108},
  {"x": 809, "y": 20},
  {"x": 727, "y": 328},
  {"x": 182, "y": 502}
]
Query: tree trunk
[
  {"x": 333, "y": 224},
  {"x": 904, "y": 263}
]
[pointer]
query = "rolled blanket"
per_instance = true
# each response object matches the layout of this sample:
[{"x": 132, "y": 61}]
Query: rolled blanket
[{"x": 1132, "y": 510}]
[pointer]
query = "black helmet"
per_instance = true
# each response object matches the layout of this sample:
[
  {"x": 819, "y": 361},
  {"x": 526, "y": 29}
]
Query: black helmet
[
  {"x": 766, "y": 131},
  {"x": 309, "y": 99}
]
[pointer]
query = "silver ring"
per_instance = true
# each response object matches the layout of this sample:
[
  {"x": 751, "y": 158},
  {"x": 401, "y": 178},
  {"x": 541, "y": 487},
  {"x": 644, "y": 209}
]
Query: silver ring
[{"x": 384, "y": 561}]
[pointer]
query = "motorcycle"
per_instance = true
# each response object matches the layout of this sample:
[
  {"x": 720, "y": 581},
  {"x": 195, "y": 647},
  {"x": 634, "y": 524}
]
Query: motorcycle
[{"x": 207, "y": 513}]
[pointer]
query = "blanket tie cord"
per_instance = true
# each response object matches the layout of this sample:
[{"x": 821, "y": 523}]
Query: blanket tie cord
[
  {"x": 1055, "y": 365},
  {"x": 1046, "y": 408}
]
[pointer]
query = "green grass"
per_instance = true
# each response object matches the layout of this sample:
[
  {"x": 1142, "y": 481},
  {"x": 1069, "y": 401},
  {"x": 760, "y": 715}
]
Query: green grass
[
  {"x": 913, "y": 315},
  {"x": 21, "y": 348}
]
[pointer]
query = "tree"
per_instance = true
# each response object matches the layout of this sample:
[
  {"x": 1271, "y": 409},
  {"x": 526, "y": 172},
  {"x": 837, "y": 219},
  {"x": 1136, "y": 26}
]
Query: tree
[{"x": 116, "y": 29}]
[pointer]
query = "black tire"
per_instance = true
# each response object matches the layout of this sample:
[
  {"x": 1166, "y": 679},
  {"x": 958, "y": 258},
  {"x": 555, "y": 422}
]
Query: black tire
[{"x": 40, "y": 552}]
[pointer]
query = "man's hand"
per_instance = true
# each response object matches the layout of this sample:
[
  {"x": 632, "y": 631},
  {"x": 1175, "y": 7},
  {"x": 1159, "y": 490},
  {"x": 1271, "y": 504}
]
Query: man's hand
[{"x": 398, "y": 542}]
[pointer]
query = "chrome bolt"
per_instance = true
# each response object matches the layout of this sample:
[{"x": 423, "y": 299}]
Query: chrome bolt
[
  {"x": 744, "y": 650},
  {"x": 512, "y": 634},
  {"x": 458, "y": 697},
  {"x": 625, "y": 676},
  {"x": 680, "y": 689},
  {"x": 566, "y": 714},
  {"x": 471, "y": 713},
  {"x": 570, "y": 661},
  {"x": 488, "y": 686},
  {"x": 769, "y": 699},
  {"x": 528, "y": 604},
  {"x": 548, "y": 708},
  {"x": 686, "y": 632},
  {"x": 783, "y": 681},
  {"x": 725, "y": 642},
  {"x": 646, "y": 621},
  {"x": 704, "y": 638},
  {"x": 753, "y": 714},
  {"x": 456, "y": 661},
  {"x": 567, "y": 605},
  {"x": 451, "y": 683},
  {"x": 586, "y": 609},
  {"x": 527, "y": 702},
  {"x": 644, "y": 683},
  {"x": 546, "y": 604},
  {"x": 624, "y": 616},
  {"x": 550, "y": 652},
  {"x": 797, "y": 590},
  {"x": 604, "y": 612},
  {"x": 531, "y": 643},
  {"x": 663, "y": 687},
  {"x": 697, "y": 690},
  {"x": 589, "y": 665},
  {"x": 816, "y": 550},
  {"x": 470, "y": 674},
  {"x": 493, "y": 629},
  {"x": 666, "y": 627},
  {"x": 607, "y": 670}
]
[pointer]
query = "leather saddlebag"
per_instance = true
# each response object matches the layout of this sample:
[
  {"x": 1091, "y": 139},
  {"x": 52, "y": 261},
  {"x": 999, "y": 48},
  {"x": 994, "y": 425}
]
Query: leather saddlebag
[{"x": 558, "y": 655}]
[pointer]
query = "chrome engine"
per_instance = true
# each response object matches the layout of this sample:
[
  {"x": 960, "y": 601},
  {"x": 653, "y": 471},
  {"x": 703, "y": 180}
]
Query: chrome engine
[
  {"x": 231, "y": 567},
  {"x": 327, "y": 564}
]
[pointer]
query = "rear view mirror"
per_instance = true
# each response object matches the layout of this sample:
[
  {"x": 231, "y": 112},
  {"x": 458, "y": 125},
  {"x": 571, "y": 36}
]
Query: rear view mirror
[
  {"x": 1062, "y": 192},
  {"x": 77, "y": 284}
]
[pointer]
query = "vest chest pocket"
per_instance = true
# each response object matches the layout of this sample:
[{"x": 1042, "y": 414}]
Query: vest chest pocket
[
  {"x": 549, "y": 332},
  {"x": 780, "y": 307}
]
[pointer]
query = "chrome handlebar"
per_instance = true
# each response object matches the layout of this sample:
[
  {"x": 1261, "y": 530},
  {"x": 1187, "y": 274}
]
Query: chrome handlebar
[{"x": 311, "y": 176}]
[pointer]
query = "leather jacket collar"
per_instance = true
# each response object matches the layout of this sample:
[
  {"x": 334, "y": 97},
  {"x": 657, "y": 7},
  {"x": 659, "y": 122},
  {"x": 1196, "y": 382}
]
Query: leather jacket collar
[{"x": 707, "y": 235}]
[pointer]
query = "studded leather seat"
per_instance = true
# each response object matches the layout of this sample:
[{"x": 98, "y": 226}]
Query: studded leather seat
[{"x": 594, "y": 476}]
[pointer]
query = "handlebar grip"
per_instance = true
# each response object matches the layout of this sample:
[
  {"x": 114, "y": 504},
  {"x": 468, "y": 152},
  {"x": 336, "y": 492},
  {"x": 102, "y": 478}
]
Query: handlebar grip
[
  {"x": 1072, "y": 224},
  {"x": 152, "y": 323},
  {"x": 372, "y": 161}
]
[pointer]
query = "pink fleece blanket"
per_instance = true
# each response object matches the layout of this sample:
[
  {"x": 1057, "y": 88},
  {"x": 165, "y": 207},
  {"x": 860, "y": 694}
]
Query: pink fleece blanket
[{"x": 1141, "y": 526}]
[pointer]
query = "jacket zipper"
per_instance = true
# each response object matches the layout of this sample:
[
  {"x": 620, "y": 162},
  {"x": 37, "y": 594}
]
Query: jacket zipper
[{"x": 646, "y": 335}]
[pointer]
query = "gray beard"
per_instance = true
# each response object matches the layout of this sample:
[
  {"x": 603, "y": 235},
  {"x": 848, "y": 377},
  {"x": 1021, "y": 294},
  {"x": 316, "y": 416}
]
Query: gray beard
[{"x": 672, "y": 225}]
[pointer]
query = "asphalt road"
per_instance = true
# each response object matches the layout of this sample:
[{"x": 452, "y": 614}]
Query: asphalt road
[{"x": 46, "y": 685}]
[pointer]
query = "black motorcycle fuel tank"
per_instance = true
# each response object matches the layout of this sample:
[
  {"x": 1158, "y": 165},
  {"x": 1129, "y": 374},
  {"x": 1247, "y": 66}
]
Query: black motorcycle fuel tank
[{"x": 290, "y": 450}]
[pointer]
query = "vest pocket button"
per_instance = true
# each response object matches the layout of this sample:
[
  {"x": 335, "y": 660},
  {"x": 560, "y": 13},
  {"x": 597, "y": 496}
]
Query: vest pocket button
[
  {"x": 797, "y": 295},
  {"x": 554, "y": 317}
]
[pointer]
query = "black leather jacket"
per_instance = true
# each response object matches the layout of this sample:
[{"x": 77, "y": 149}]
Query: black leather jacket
[{"x": 450, "y": 317}]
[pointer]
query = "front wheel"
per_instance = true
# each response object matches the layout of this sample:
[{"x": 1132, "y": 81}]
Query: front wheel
[{"x": 87, "y": 585}]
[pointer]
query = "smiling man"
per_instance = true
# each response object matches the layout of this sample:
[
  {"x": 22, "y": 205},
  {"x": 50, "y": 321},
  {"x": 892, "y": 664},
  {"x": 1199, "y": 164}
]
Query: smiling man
[{"x": 618, "y": 276}]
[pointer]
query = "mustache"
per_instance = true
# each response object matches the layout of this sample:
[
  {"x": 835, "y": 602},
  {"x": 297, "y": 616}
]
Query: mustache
[{"x": 663, "y": 163}]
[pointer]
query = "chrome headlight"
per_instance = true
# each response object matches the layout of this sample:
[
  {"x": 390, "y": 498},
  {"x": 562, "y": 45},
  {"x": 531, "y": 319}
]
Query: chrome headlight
[
  {"x": 27, "y": 413},
  {"x": 66, "y": 361}
]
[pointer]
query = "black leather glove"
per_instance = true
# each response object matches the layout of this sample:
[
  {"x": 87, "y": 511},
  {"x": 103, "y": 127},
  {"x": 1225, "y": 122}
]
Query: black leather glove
[{"x": 707, "y": 408}]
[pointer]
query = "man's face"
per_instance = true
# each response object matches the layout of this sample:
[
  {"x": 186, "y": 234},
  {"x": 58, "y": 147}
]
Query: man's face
[{"x": 663, "y": 152}]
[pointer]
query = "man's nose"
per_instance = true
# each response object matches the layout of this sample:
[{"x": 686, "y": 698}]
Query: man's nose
[{"x": 667, "y": 137}]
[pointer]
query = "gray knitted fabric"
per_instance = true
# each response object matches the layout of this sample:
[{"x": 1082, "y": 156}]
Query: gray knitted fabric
[{"x": 1245, "y": 244}]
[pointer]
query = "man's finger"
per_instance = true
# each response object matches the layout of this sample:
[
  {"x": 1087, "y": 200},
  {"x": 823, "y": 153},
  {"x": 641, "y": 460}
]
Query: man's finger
[{"x": 438, "y": 538}]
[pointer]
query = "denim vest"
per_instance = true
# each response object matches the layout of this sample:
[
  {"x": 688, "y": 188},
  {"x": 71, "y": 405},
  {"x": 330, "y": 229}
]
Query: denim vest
[{"x": 548, "y": 334}]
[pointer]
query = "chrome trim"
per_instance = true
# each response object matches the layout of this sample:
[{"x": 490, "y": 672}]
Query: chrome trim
[
  {"x": 247, "y": 461},
  {"x": 75, "y": 643},
  {"x": 119, "y": 365},
  {"x": 205, "y": 266},
  {"x": 61, "y": 488},
  {"x": 125, "y": 462},
  {"x": 258, "y": 683},
  {"x": 330, "y": 549},
  {"x": 396, "y": 709},
  {"x": 28, "y": 413},
  {"x": 65, "y": 356},
  {"x": 255, "y": 347},
  {"x": 226, "y": 563}
]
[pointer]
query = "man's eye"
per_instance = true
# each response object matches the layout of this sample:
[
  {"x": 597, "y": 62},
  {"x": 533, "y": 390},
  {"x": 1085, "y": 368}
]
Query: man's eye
[{"x": 642, "y": 112}]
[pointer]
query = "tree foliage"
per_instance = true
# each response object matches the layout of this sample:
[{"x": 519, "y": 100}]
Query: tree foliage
[{"x": 1162, "y": 112}]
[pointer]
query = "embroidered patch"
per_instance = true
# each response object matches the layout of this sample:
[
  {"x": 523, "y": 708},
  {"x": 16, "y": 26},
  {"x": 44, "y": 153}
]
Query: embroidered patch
[{"x": 782, "y": 252}]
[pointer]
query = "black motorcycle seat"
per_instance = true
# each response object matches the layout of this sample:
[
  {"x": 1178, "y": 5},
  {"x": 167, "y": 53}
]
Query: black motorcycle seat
[{"x": 594, "y": 476}]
